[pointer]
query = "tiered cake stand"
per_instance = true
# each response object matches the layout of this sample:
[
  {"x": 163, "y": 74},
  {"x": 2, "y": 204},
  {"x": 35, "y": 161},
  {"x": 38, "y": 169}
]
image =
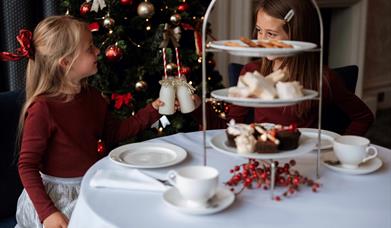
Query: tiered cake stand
[{"x": 305, "y": 145}]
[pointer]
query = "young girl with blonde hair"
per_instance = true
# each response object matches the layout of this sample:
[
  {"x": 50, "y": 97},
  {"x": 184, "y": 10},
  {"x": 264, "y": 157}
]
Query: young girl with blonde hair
[{"x": 63, "y": 120}]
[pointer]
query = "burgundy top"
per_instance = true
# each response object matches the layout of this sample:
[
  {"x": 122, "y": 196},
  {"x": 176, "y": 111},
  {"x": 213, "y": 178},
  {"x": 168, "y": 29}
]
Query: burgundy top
[
  {"x": 334, "y": 92},
  {"x": 60, "y": 139}
]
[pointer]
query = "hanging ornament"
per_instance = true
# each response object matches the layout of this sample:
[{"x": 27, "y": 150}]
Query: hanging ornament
[
  {"x": 85, "y": 8},
  {"x": 175, "y": 19},
  {"x": 171, "y": 67},
  {"x": 145, "y": 9},
  {"x": 97, "y": 4},
  {"x": 141, "y": 86},
  {"x": 93, "y": 27},
  {"x": 185, "y": 70},
  {"x": 183, "y": 7},
  {"x": 125, "y": 2},
  {"x": 108, "y": 22},
  {"x": 113, "y": 53}
]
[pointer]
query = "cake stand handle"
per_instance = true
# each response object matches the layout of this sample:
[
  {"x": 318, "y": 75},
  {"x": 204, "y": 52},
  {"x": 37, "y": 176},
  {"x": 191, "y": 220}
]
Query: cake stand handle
[
  {"x": 320, "y": 87},
  {"x": 204, "y": 123}
]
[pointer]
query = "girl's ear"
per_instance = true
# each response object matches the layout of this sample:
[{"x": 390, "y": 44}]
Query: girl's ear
[{"x": 64, "y": 62}]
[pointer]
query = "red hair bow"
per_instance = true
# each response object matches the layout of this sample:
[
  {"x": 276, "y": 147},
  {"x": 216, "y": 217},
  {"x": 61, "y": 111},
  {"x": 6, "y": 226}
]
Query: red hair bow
[
  {"x": 25, "y": 39},
  {"x": 121, "y": 99}
]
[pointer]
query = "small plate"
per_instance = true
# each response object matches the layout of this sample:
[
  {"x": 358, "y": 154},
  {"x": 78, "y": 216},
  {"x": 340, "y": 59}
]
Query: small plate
[
  {"x": 218, "y": 142},
  {"x": 298, "y": 46},
  {"x": 364, "y": 168},
  {"x": 147, "y": 155},
  {"x": 223, "y": 199},
  {"x": 222, "y": 94},
  {"x": 327, "y": 137}
]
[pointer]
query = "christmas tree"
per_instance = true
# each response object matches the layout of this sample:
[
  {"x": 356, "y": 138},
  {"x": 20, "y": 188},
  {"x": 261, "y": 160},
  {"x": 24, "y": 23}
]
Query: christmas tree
[{"x": 131, "y": 35}]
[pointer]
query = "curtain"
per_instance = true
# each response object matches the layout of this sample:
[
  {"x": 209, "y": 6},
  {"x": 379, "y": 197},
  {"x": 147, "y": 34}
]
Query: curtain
[{"x": 14, "y": 15}]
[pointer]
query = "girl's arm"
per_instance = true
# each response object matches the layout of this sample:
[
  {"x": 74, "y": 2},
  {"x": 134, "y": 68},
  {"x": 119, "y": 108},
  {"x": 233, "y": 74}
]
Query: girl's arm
[
  {"x": 119, "y": 130},
  {"x": 34, "y": 142},
  {"x": 358, "y": 112}
]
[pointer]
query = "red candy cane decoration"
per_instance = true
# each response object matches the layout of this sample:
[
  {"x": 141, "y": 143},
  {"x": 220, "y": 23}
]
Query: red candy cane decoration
[
  {"x": 178, "y": 62},
  {"x": 165, "y": 63}
]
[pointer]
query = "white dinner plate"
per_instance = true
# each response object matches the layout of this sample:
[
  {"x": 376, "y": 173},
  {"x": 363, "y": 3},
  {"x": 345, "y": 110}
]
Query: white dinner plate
[
  {"x": 222, "y": 94},
  {"x": 147, "y": 155},
  {"x": 223, "y": 199},
  {"x": 298, "y": 46},
  {"x": 306, "y": 144},
  {"x": 327, "y": 137},
  {"x": 364, "y": 168}
]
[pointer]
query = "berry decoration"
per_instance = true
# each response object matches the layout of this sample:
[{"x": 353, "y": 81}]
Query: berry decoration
[{"x": 256, "y": 175}]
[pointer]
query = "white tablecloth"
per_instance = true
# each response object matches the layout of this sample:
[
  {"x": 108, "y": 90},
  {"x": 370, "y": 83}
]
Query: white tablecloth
[{"x": 342, "y": 201}]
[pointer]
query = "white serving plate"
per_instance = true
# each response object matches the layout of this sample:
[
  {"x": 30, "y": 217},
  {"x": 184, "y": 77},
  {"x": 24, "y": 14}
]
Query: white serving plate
[
  {"x": 147, "y": 155},
  {"x": 298, "y": 46},
  {"x": 222, "y": 94}
]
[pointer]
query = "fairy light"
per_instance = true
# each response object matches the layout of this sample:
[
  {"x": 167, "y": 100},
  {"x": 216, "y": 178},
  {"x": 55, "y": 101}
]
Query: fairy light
[
  {"x": 148, "y": 28},
  {"x": 190, "y": 82}
]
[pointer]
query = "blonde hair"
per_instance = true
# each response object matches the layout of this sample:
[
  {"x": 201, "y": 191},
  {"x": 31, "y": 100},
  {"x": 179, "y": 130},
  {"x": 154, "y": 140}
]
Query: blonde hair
[{"x": 54, "y": 38}]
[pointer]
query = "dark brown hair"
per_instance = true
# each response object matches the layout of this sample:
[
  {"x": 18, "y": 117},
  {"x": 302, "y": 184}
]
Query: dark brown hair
[{"x": 304, "y": 26}]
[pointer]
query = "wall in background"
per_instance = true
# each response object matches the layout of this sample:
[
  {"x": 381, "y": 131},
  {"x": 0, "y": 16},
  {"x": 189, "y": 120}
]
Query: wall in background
[{"x": 378, "y": 53}]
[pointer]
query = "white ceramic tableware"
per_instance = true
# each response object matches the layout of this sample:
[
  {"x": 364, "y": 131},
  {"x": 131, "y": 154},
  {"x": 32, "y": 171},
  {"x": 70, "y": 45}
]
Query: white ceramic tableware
[
  {"x": 353, "y": 150},
  {"x": 147, "y": 155},
  {"x": 196, "y": 184},
  {"x": 222, "y": 199},
  {"x": 365, "y": 168}
]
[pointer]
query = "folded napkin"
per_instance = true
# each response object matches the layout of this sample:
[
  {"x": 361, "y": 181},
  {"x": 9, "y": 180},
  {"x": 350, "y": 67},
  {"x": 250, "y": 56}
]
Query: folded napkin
[{"x": 125, "y": 179}]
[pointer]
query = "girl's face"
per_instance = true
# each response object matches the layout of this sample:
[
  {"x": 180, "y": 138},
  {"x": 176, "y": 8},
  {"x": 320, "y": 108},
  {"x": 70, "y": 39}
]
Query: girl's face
[
  {"x": 85, "y": 64},
  {"x": 270, "y": 28}
]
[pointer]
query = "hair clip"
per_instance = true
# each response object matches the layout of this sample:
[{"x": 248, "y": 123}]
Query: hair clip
[{"x": 289, "y": 15}]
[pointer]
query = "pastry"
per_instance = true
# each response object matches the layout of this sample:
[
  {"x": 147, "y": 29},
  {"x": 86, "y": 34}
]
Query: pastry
[{"x": 289, "y": 90}]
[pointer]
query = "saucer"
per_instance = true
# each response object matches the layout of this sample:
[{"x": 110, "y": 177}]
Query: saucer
[
  {"x": 223, "y": 199},
  {"x": 364, "y": 168}
]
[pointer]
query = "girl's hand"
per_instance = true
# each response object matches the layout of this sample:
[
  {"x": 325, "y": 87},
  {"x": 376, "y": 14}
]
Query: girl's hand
[
  {"x": 197, "y": 100},
  {"x": 157, "y": 103},
  {"x": 56, "y": 220}
]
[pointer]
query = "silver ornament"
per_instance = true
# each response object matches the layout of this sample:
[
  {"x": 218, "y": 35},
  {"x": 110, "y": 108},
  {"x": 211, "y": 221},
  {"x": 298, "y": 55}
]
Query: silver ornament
[
  {"x": 108, "y": 22},
  {"x": 175, "y": 19}
]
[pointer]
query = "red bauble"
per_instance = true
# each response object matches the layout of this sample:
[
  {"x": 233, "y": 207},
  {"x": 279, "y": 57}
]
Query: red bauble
[
  {"x": 185, "y": 70},
  {"x": 125, "y": 2},
  {"x": 85, "y": 8},
  {"x": 93, "y": 27},
  {"x": 113, "y": 53},
  {"x": 183, "y": 7}
]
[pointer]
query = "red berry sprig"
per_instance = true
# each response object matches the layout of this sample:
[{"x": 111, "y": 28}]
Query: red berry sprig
[{"x": 254, "y": 175}]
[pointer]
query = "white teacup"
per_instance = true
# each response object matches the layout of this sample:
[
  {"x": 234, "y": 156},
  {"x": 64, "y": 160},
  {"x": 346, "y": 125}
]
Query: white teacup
[
  {"x": 196, "y": 184},
  {"x": 353, "y": 150}
]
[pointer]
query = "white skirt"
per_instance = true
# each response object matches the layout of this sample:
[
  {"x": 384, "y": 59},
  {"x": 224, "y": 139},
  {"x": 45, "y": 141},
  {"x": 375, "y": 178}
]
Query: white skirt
[{"x": 62, "y": 191}]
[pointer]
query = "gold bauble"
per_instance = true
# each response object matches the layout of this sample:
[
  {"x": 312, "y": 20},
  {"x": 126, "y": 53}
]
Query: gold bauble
[
  {"x": 145, "y": 10},
  {"x": 141, "y": 86}
]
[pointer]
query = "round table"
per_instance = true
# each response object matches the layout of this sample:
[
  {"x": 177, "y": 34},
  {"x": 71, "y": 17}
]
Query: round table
[{"x": 342, "y": 201}]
